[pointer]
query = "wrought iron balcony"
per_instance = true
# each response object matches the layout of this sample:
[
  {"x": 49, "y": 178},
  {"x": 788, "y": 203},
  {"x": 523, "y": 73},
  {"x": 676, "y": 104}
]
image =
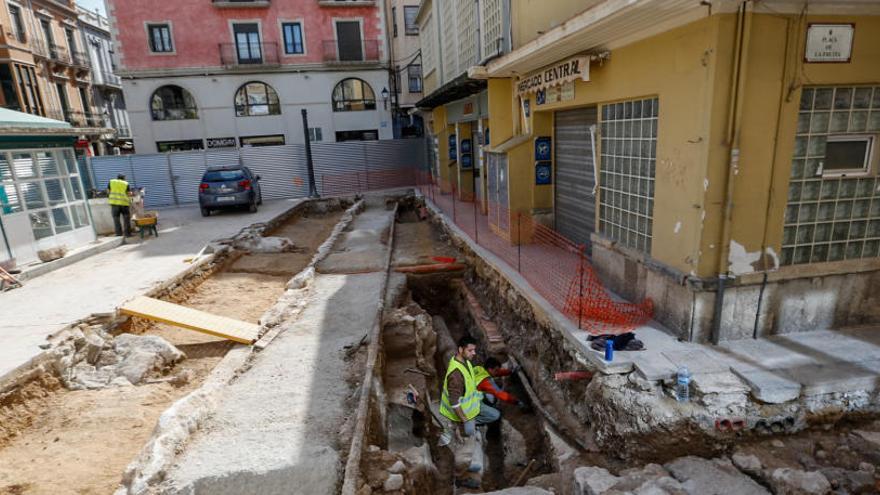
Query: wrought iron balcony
[
  {"x": 342, "y": 52},
  {"x": 123, "y": 132},
  {"x": 240, "y": 4},
  {"x": 249, "y": 54},
  {"x": 107, "y": 80},
  {"x": 75, "y": 118}
]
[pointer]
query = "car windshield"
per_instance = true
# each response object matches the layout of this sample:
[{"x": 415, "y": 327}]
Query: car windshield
[{"x": 223, "y": 175}]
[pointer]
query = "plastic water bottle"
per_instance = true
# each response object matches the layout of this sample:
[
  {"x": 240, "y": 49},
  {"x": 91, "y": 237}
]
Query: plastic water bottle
[
  {"x": 609, "y": 349},
  {"x": 682, "y": 384}
]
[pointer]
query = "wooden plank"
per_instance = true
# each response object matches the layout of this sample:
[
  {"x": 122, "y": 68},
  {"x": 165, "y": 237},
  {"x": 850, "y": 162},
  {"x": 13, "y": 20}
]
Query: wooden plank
[{"x": 191, "y": 319}]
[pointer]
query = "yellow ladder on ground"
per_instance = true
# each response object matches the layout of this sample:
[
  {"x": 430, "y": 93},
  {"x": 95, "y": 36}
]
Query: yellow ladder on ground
[{"x": 191, "y": 319}]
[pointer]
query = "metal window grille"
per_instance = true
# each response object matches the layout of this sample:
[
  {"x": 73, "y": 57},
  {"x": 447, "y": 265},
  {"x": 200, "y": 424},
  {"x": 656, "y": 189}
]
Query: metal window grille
[
  {"x": 467, "y": 35},
  {"x": 626, "y": 178},
  {"x": 831, "y": 218},
  {"x": 491, "y": 17},
  {"x": 448, "y": 36},
  {"x": 427, "y": 40}
]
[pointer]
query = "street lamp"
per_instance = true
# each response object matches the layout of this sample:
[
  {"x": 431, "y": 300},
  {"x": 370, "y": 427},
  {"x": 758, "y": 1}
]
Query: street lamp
[{"x": 385, "y": 98}]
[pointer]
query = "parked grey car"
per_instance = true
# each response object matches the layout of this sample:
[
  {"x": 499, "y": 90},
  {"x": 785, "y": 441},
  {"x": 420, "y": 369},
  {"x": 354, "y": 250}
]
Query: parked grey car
[{"x": 229, "y": 186}]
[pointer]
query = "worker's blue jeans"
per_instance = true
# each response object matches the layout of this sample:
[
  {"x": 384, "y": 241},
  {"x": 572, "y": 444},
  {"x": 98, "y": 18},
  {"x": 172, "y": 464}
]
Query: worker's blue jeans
[{"x": 488, "y": 414}]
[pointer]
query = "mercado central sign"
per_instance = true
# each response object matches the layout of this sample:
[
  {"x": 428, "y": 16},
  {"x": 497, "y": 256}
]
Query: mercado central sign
[{"x": 556, "y": 74}]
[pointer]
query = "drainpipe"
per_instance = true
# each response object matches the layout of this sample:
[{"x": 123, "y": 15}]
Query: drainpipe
[
  {"x": 734, "y": 122},
  {"x": 782, "y": 99}
]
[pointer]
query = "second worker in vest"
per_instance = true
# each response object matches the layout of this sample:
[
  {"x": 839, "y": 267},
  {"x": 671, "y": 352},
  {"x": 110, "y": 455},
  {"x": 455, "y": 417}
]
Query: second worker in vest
[
  {"x": 120, "y": 203},
  {"x": 460, "y": 401}
]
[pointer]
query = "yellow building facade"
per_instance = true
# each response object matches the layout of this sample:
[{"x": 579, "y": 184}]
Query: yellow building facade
[{"x": 720, "y": 159}]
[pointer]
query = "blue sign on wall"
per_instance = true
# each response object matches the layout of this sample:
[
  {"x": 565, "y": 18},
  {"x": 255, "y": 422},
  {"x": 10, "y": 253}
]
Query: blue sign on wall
[
  {"x": 543, "y": 173},
  {"x": 542, "y": 148},
  {"x": 465, "y": 146},
  {"x": 467, "y": 161},
  {"x": 486, "y": 137},
  {"x": 540, "y": 97},
  {"x": 452, "y": 147}
]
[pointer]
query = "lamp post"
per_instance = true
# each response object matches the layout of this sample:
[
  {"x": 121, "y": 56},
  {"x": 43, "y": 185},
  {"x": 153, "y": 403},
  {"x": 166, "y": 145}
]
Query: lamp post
[{"x": 385, "y": 98}]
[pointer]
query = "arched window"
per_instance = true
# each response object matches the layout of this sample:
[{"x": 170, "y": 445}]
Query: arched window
[
  {"x": 353, "y": 94},
  {"x": 173, "y": 103},
  {"x": 256, "y": 98}
]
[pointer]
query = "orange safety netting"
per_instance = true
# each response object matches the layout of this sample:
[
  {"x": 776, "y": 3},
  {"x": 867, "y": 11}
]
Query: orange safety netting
[{"x": 554, "y": 266}]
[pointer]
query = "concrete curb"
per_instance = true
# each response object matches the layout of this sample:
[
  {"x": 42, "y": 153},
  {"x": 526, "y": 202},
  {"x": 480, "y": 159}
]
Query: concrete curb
[
  {"x": 79, "y": 255},
  {"x": 353, "y": 463},
  {"x": 177, "y": 423}
]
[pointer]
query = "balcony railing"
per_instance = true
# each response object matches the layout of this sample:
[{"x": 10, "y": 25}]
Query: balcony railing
[
  {"x": 95, "y": 119},
  {"x": 80, "y": 59},
  {"x": 336, "y": 51},
  {"x": 123, "y": 132},
  {"x": 59, "y": 54},
  {"x": 75, "y": 118},
  {"x": 249, "y": 54},
  {"x": 111, "y": 80},
  {"x": 239, "y": 4}
]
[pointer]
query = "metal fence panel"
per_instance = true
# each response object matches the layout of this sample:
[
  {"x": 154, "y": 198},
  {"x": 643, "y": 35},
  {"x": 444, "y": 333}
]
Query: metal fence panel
[
  {"x": 340, "y": 168},
  {"x": 153, "y": 175},
  {"x": 108, "y": 167},
  {"x": 188, "y": 168},
  {"x": 282, "y": 170}
]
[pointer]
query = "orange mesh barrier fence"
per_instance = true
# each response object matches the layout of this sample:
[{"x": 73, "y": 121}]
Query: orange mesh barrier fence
[{"x": 553, "y": 265}]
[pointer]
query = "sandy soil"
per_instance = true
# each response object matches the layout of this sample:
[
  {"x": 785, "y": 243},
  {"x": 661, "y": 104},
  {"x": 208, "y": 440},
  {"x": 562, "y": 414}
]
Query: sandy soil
[{"x": 79, "y": 442}]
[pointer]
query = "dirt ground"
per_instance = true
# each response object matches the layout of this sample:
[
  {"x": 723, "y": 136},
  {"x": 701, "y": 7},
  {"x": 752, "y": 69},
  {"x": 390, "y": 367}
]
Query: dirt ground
[{"x": 79, "y": 442}]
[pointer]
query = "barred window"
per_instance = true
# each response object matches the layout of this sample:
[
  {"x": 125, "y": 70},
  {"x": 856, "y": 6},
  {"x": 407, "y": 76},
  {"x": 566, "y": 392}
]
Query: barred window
[
  {"x": 626, "y": 178},
  {"x": 833, "y": 210}
]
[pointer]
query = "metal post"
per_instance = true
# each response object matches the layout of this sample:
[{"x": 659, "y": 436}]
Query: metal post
[
  {"x": 453, "y": 204},
  {"x": 580, "y": 286},
  {"x": 313, "y": 190},
  {"x": 323, "y": 184},
  {"x": 476, "y": 228},
  {"x": 519, "y": 242}
]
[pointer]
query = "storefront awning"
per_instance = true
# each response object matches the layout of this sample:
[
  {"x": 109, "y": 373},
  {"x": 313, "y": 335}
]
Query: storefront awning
[{"x": 456, "y": 89}]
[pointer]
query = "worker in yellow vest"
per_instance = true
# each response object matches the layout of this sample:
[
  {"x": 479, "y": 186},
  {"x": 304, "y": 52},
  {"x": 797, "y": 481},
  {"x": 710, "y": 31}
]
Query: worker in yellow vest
[
  {"x": 460, "y": 401},
  {"x": 118, "y": 197}
]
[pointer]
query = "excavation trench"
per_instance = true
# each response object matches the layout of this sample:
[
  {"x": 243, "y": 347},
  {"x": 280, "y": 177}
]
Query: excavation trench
[
  {"x": 610, "y": 422},
  {"x": 57, "y": 440},
  {"x": 431, "y": 306}
]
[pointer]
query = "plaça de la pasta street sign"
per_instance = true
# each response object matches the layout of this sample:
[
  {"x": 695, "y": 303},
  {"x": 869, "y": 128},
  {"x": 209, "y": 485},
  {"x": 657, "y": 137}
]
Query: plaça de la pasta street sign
[{"x": 556, "y": 74}]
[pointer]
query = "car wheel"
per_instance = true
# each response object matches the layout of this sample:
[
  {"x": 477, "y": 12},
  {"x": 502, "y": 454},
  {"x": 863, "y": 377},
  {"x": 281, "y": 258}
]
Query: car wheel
[
  {"x": 206, "y": 212},
  {"x": 253, "y": 206}
]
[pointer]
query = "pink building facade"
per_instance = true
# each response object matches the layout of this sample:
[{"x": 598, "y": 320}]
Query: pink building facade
[{"x": 230, "y": 73}]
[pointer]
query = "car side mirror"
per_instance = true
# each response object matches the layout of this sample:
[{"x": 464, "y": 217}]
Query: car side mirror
[{"x": 257, "y": 177}]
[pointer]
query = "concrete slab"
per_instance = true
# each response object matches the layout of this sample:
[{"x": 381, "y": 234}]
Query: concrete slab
[
  {"x": 716, "y": 477},
  {"x": 361, "y": 247},
  {"x": 767, "y": 386},
  {"x": 102, "y": 282},
  {"x": 101, "y": 245},
  {"x": 719, "y": 383},
  {"x": 697, "y": 361}
]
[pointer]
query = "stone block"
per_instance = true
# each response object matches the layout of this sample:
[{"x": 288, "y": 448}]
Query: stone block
[
  {"x": 786, "y": 481},
  {"x": 717, "y": 477},
  {"x": 697, "y": 361},
  {"x": 593, "y": 481}
]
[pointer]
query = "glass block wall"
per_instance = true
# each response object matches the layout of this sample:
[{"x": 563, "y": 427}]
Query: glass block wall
[
  {"x": 832, "y": 218},
  {"x": 628, "y": 136}
]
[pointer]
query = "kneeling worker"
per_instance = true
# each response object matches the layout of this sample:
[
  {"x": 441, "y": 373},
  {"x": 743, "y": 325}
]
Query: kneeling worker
[
  {"x": 485, "y": 377},
  {"x": 461, "y": 402}
]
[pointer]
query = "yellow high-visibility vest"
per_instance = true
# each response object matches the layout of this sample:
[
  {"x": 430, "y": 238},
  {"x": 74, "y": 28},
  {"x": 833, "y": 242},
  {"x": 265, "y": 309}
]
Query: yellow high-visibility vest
[
  {"x": 470, "y": 403},
  {"x": 118, "y": 193},
  {"x": 480, "y": 374}
]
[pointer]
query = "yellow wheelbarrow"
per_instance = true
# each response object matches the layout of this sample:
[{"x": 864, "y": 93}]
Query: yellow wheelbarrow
[{"x": 147, "y": 223}]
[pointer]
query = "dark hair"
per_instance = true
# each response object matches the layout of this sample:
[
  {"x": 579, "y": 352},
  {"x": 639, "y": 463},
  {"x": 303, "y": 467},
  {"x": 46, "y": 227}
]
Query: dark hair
[
  {"x": 466, "y": 341},
  {"x": 121, "y": 176},
  {"x": 491, "y": 363}
]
